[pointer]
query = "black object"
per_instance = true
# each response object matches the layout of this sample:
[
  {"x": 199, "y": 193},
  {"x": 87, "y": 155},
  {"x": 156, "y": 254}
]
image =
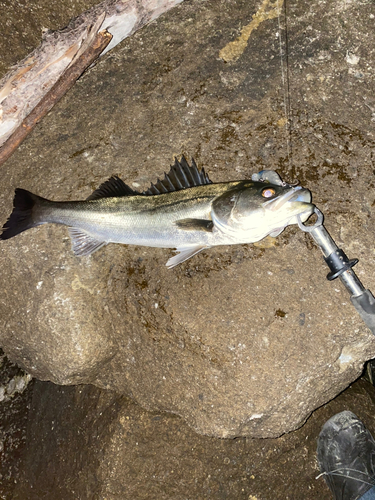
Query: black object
[
  {"x": 346, "y": 456},
  {"x": 338, "y": 263}
]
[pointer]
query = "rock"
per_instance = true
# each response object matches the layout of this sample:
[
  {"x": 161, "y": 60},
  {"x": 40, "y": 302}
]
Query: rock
[
  {"x": 15, "y": 400},
  {"x": 239, "y": 341},
  {"x": 83, "y": 442}
]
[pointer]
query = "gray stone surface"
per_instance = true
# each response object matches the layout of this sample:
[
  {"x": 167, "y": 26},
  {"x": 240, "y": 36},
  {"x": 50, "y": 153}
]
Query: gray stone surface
[
  {"x": 15, "y": 399},
  {"x": 86, "y": 443},
  {"x": 239, "y": 341}
]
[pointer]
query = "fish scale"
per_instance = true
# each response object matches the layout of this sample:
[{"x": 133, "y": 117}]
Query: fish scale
[{"x": 184, "y": 210}]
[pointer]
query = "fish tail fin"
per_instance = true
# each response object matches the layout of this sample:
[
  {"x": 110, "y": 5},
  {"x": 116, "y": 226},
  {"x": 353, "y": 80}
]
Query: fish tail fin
[{"x": 23, "y": 215}]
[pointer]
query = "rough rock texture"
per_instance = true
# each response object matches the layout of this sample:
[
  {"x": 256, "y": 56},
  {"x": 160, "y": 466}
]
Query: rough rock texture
[
  {"x": 239, "y": 341},
  {"x": 15, "y": 399},
  {"x": 86, "y": 443}
]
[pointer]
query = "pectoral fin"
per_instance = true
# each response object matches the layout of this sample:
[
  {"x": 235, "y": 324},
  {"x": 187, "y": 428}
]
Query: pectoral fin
[
  {"x": 184, "y": 254},
  {"x": 195, "y": 224},
  {"x": 276, "y": 232}
]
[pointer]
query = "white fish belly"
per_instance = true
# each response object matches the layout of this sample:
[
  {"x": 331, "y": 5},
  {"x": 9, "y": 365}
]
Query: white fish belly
[{"x": 137, "y": 228}]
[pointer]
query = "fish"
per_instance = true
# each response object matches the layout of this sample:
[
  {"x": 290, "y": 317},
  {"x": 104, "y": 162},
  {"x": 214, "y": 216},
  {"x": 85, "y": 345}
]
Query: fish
[{"x": 184, "y": 210}]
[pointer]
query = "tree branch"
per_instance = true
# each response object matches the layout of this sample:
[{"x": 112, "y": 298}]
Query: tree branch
[{"x": 61, "y": 87}]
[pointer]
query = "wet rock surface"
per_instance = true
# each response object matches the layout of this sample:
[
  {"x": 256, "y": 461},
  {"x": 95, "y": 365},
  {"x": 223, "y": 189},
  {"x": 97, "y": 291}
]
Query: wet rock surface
[
  {"x": 239, "y": 341},
  {"x": 16, "y": 390},
  {"x": 83, "y": 442}
]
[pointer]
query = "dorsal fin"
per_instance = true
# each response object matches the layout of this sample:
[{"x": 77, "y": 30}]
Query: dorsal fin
[
  {"x": 180, "y": 176},
  {"x": 113, "y": 187}
]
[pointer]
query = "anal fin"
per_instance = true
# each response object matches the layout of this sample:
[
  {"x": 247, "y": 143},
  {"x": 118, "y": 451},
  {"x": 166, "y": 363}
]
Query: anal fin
[
  {"x": 184, "y": 254},
  {"x": 83, "y": 243}
]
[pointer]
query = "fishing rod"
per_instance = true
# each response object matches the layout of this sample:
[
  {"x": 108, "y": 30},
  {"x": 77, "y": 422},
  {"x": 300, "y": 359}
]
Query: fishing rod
[{"x": 341, "y": 267}]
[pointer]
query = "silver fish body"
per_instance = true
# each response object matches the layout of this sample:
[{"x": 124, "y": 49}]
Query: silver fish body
[{"x": 184, "y": 211}]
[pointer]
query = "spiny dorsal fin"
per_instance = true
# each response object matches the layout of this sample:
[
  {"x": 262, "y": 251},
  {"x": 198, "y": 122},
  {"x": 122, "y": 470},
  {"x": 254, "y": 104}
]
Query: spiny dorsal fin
[
  {"x": 180, "y": 176},
  {"x": 113, "y": 187}
]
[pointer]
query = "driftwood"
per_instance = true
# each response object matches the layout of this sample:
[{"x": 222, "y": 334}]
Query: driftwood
[
  {"x": 30, "y": 82},
  {"x": 63, "y": 84}
]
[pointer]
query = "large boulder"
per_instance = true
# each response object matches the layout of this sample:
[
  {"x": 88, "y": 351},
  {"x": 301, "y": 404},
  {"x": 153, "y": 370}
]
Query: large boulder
[
  {"x": 84, "y": 442},
  {"x": 239, "y": 341}
]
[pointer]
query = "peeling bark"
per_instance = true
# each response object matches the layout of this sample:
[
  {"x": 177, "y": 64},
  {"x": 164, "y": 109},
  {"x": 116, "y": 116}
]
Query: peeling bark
[
  {"x": 81, "y": 62},
  {"x": 29, "y": 81}
]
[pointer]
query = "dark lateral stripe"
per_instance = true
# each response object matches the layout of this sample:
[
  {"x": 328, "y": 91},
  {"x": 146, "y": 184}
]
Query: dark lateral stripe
[{"x": 177, "y": 203}]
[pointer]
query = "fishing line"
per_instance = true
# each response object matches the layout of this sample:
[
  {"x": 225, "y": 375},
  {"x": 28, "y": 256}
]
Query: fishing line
[{"x": 284, "y": 62}]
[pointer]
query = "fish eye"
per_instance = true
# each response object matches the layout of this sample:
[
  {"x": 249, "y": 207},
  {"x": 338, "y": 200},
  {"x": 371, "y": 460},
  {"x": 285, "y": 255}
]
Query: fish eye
[{"x": 268, "y": 192}]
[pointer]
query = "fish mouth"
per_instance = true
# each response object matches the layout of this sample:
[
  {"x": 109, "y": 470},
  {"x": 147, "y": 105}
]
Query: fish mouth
[{"x": 296, "y": 194}]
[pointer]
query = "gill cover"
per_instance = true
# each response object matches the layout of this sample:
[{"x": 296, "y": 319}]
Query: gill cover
[{"x": 242, "y": 207}]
